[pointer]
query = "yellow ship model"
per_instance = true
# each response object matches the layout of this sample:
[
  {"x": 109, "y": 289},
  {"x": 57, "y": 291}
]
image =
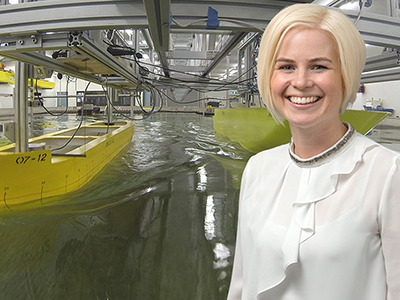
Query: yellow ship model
[
  {"x": 59, "y": 162},
  {"x": 8, "y": 77},
  {"x": 256, "y": 130}
]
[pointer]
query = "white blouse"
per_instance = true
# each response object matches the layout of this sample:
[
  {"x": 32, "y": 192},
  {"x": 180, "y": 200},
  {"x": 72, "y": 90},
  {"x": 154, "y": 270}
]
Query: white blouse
[{"x": 320, "y": 229}]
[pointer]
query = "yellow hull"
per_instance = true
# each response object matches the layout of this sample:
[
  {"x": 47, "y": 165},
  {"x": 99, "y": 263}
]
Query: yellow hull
[
  {"x": 7, "y": 77},
  {"x": 256, "y": 130},
  {"x": 38, "y": 174}
]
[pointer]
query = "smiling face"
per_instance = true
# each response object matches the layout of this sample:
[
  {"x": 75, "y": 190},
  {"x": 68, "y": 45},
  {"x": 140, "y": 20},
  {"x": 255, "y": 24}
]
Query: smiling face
[{"x": 306, "y": 84}]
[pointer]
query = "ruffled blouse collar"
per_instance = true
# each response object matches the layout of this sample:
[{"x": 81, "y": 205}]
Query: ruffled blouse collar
[
  {"x": 318, "y": 187},
  {"x": 328, "y": 154}
]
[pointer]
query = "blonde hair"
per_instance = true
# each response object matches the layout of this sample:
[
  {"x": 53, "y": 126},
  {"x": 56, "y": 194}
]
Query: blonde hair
[{"x": 349, "y": 45}]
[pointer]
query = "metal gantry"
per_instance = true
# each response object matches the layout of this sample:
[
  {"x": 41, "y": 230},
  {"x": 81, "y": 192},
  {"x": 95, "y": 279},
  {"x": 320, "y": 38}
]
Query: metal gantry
[{"x": 30, "y": 31}]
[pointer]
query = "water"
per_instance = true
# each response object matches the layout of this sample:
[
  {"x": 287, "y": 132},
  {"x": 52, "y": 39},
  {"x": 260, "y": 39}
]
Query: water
[{"x": 158, "y": 223}]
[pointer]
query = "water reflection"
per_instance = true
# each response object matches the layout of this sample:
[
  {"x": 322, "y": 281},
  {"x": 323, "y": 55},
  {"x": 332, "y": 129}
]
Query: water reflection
[
  {"x": 209, "y": 220},
  {"x": 158, "y": 223}
]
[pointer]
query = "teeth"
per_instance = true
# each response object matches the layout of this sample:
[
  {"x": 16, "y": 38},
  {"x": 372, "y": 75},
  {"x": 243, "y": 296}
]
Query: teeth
[{"x": 303, "y": 100}]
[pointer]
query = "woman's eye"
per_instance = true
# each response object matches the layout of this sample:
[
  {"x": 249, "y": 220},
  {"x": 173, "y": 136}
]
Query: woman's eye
[
  {"x": 285, "y": 68},
  {"x": 319, "y": 67}
]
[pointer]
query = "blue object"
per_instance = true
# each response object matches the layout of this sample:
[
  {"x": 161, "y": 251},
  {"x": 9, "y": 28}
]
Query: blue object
[
  {"x": 367, "y": 3},
  {"x": 378, "y": 108},
  {"x": 168, "y": 25},
  {"x": 212, "y": 18}
]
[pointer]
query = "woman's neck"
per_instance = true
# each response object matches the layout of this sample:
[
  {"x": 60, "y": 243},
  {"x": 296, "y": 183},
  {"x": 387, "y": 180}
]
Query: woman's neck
[{"x": 308, "y": 142}]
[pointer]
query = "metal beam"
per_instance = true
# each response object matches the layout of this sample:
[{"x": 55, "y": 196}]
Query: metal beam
[
  {"x": 201, "y": 87},
  {"x": 158, "y": 16},
  {"x": 248, "y": 40},
  {"x": 196, "y": 85},
  {"x": 190, "y": 69},
  {"x": 61, "y": 15},
  {"x": 93, "y": 50},
  {"x": 164, "y": 63},
  {"x": 28, "y": 52},
  {"x": 33, "y": 42},
  {"x": 237, "y": 15},
  {"x": 39, "y": 59},
  {"x": 21, "y": 107},
  {"x": 25, "y": 50},
  {"x": 34, "y": 18},
  {"x": 234, "y": 40},
  {"x": 377, "y": 29},
  {"x": 183, "y": 54},
  {"x": 384, "y": 61},
  {"x": 329, "y": 2},
  {"x": 147, "y": 38},
  {"x": 381, "y": 75}
]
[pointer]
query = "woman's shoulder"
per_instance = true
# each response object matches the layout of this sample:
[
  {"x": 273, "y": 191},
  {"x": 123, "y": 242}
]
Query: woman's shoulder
[
  {"x": 374, "y": 146},
  {"x": 266, "y": 165},
  {"x": 276, "y": 155},
  {"x": 377, "y": 152}
]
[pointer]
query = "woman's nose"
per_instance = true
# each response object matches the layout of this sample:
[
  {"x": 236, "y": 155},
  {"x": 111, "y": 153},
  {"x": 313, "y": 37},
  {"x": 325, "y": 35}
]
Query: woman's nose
[{"x": 302, "y": 79}]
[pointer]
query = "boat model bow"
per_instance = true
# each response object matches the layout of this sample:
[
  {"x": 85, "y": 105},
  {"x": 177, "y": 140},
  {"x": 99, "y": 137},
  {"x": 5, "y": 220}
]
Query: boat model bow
[
  {"x": 59, "y": 162},
  {"x": 256, "y": 130}
]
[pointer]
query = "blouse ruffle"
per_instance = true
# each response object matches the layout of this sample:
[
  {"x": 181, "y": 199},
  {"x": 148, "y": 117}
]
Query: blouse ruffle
[{"x": 320, "y": 184}]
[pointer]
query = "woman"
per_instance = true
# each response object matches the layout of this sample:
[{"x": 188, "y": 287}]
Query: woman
[{"x": 319, "y": 219}]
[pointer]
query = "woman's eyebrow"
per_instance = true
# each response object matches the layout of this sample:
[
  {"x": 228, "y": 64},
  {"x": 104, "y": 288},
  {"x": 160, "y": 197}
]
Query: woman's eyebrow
[
  {"x": 317, "y": 59},
  {"x": 285, "y": 60}
]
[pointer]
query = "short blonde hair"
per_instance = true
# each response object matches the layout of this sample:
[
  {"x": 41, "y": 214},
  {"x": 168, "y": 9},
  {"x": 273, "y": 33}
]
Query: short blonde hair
[{"x": 349, "y": 43}]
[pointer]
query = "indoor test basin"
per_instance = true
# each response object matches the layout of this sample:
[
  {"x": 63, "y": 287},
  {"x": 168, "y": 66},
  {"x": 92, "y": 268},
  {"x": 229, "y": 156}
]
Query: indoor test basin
[{"x": 158, "y": 222}]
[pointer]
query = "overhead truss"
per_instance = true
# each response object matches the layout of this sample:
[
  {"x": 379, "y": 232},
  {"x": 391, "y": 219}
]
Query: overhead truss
[{"x": 36, "y": 19}]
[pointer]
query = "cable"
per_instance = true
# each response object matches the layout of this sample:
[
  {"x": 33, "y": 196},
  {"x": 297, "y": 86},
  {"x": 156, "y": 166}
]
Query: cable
[
  {"x": 222, "y": 87},
  {"x": 180, "y": 81},
  {"x": 361, "y": 9},
  {"x": 147, "y": 113},
  {"x": 80, "y": 124},
  {"x": 161, "y": 99},
  {"x": 200, "y": 90},
  {"x": 110, "y": 102},
  {"x": 40, "y": 99},
  {"x": 180, "y": 102},
  {"x": 221, "y": 19},
  {"x": 210, "y": 82},
  {"x": 141, "y": 106},
  {"x": 167, "y": 69}
]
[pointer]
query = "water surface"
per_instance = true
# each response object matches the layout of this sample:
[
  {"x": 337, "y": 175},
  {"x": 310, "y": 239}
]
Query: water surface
[{"x": 158, "y": 223}]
